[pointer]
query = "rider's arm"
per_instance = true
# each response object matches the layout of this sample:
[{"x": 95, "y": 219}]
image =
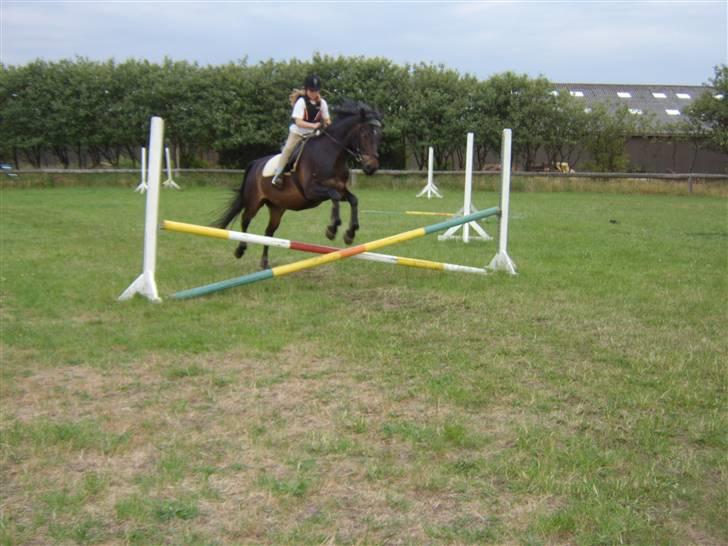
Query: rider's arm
[{"x": 306, "y": 124}]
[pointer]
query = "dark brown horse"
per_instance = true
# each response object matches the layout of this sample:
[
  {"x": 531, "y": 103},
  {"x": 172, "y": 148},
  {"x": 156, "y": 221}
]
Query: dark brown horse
[{"x": 321, "y": 174}]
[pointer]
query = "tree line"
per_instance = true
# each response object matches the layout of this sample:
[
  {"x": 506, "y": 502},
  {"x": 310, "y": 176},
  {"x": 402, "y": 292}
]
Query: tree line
[{"x": 89, "y": 113}]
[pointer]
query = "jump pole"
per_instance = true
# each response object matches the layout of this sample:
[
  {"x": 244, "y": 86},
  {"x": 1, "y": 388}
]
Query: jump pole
[
  {"x": 252, "y": 238},
  {"x": 430, "y": 189},
  {"x": 146, "y": 284},
  {"x": 333, "y": 256},
  {"x": 502, "y": 261},
  {"x": 468, "y": 207}
]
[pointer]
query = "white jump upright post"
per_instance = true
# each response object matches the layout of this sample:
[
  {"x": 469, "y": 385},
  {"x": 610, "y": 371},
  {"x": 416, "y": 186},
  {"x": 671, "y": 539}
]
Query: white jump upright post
[
  {"x": 502, "y": 261},
  {"x": 430, "y": 189},
  {"x": 146, "y": 284},
  {"x": 169, "y": 183},
  {"x": 142, "y": 187},
  {"x": 468, "y": 207}
]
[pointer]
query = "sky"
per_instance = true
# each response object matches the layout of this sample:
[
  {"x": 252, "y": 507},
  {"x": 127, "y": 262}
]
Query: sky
[{"x": 586, "y": 41}]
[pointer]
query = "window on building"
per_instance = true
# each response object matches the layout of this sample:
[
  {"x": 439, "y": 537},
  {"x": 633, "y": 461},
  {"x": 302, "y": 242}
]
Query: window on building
[
  {"x": 671, "y": 112},
  {"x": 682, "y": 95},
  {"x": 635, "y": 111},
  {"x": 659, "y": 95},
  {"x": 624, "y": 95},
  {"x": 576, "y": 93}
]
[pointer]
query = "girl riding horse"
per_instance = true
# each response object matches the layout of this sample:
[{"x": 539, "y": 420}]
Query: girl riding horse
[{"x": 321, "y": 174}]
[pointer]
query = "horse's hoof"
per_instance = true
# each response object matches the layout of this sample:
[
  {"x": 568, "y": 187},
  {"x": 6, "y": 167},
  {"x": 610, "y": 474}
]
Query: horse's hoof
[
  {"x": 348, "y": 239},
  {"x": 240, "y": 251},
  {"x": 330, "y": 234}
]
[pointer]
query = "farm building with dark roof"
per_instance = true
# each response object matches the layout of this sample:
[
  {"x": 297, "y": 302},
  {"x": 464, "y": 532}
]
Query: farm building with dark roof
[
  {"x": 665, "y": 103},
  {"x": 664, "y": 149}
]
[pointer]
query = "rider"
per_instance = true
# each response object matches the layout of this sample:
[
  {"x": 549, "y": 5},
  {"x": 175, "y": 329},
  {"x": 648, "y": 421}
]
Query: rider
[{"x": 310, "y": 112}]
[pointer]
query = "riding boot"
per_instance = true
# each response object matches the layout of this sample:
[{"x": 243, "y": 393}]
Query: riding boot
[{"x": 278, "y": 178}]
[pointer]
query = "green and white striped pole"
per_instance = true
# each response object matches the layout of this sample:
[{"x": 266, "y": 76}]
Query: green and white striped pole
[{"x": 333, "y": 256}]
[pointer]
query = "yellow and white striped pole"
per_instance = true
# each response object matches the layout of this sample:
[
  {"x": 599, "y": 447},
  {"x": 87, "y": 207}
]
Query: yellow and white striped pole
[
  {"x": 333, "y": 256},
  {"x": 276, "y": 242}
]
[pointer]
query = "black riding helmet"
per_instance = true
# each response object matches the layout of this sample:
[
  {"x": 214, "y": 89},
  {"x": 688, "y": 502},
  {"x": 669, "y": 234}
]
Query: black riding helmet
[{"x": 312, "y": 82}]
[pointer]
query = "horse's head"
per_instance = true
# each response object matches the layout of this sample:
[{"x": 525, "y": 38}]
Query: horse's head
[
  {"x": 370, "y": 136},
  {"x": 365, "y": 133}
]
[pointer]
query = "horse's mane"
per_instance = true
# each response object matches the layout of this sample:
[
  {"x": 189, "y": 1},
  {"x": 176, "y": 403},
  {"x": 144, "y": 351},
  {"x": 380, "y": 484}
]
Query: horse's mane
[{"x": 349, "y": 108}]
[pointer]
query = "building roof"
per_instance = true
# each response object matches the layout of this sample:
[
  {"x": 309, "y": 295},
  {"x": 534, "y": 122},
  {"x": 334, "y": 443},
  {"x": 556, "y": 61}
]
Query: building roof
[{"x": 666, "y": 103}]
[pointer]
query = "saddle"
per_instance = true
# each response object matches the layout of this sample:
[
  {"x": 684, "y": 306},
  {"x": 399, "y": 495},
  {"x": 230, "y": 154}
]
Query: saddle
[{"x": 270, "y": 166}]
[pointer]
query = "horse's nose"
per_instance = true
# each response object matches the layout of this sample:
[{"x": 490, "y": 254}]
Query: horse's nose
[{"x": 370, "y": 165}]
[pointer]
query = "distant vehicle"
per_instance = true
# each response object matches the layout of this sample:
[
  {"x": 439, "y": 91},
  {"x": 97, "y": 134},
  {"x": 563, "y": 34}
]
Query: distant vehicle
[{"x": 7, "y": 167}]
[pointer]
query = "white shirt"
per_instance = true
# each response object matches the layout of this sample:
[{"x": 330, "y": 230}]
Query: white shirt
[{"x": 299, "y": 109}]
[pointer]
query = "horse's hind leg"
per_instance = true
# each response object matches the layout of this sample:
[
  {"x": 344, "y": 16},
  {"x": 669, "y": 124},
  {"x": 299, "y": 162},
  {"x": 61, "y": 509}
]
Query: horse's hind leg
[
  {"x": 274, "y": 220},
  {"x": 247, "y": 217},
  {"x": 354, "y": 220},
  {"x": 335, "y": 217}
]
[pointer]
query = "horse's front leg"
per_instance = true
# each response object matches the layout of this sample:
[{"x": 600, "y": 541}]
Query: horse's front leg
[
  {"x": 354, "y": 220},
  {"x": 335, "y": 216}
]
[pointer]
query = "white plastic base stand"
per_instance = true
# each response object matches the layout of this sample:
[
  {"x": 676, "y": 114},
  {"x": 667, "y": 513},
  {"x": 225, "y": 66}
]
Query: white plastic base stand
[
  {"x": 169, "y": 183},
  {"x": 146, "y": 284},
  {"x": 430, "y": 189},
  {"x": 502, "y": 261},
  {"x": 468, "y": 207},
  {"x": 142, "y": 187}
]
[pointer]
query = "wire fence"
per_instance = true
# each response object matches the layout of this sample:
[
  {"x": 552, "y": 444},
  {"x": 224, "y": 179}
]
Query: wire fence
[{"x": 412, "y": 172}]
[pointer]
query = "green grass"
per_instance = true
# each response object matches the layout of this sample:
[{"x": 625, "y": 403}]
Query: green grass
[{"x": 580, "y": 402}]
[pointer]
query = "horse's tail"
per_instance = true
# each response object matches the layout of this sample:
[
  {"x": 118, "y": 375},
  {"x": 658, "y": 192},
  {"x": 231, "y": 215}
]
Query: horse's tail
[{"x": 237, "y": 204}]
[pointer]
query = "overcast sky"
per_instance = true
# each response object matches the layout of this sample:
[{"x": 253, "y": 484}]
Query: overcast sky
[{"x": 668, "y": 42}]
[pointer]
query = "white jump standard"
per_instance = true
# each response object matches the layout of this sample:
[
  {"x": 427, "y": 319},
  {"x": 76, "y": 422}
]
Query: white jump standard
[
  {"x": 142, "y": 187},
  {"x": 169, "y": 183},
  {"x": 146, "y": 284},
  {"x": 468, "y": 207},
  {"x": 430, "y": 189},
  {"x": 502, "y": 261}
]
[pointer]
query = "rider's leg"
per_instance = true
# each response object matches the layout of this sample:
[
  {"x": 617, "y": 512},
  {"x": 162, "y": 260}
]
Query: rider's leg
[{"x": 293, "y": 140}]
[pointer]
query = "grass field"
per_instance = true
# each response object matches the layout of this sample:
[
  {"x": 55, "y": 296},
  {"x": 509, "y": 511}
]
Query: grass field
[{"x": 580, "y": 402}]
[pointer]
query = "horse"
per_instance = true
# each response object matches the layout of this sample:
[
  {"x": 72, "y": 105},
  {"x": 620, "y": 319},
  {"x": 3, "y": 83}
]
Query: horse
[{"x": 321, "y": 174}]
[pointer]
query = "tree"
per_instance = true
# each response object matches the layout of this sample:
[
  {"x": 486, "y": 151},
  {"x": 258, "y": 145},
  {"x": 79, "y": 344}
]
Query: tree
[
  {"x": 710, "y": 111},
  {"x": 566, "y": 130},
  {"x": 607, "y": 135},
  {"x": 527, "y": 106},
  {"x": 434, "y": 116},
  {"x": 26, "y": 110}
]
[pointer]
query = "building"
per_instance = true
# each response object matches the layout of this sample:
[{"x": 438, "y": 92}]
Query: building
[{"x": 663, "y": 149}]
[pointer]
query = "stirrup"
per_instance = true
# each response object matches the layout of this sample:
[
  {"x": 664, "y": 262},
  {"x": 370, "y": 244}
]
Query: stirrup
[{"x": 277, "y": 180}]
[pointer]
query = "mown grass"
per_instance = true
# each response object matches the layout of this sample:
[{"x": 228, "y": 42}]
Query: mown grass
[{"x": 581, "y": 402}]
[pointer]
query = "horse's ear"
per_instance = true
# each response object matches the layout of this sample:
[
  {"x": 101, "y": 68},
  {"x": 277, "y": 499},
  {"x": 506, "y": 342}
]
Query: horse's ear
[{"x": 363, "y": 113}]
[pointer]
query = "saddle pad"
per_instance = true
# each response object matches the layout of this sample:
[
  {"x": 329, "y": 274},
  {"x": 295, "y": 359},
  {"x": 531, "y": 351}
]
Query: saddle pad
[{"x": 270, "y": 166}]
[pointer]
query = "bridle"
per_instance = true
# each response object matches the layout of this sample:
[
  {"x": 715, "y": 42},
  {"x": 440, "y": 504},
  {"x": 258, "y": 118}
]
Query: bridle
[{"x": 355, "y": 154}]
